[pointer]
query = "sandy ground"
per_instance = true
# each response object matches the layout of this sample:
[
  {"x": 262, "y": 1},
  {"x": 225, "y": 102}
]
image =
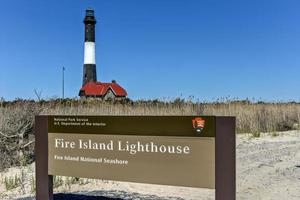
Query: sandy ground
[{"x": 268, "y": 168}]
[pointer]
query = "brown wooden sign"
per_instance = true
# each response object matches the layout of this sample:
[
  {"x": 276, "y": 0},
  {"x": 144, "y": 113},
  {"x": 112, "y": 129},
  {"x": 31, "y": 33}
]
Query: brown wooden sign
[{"x": 193, "y": 151}]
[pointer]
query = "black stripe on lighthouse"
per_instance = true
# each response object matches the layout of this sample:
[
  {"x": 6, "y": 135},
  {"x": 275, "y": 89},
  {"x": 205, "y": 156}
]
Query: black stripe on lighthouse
[{"x": 89, "y": 69}]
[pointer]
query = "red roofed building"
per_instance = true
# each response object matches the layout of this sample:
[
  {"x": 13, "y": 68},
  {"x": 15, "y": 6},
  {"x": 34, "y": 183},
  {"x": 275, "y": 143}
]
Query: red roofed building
[{"x": 103, "y": 90}]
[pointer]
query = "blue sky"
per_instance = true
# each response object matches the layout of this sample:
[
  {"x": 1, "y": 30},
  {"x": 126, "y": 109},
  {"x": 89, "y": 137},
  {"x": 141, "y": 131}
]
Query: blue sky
[{"x": 154, "y": 48}]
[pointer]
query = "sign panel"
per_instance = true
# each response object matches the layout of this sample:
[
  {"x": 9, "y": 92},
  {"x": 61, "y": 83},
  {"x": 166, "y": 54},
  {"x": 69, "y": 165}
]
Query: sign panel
[{"x": 169, "y": 150}]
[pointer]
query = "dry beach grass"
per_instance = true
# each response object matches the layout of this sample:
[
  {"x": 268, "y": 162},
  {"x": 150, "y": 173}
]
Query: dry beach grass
[{"x": 17, "y": 117}]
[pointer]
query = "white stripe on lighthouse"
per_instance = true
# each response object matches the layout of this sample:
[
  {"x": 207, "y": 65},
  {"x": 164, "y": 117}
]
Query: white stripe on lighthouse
[{"x": 89, "y": 53}]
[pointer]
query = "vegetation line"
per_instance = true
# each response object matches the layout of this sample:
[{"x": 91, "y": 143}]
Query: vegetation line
[{"x": 17, "y": 117}]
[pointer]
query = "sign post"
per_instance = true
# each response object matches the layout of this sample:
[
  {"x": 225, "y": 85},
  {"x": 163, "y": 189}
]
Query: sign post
[{"x": 191, "y": 151}]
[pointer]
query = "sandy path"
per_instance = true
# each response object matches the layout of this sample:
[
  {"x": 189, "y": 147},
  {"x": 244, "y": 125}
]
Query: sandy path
[{"x": 268, "y": 168}]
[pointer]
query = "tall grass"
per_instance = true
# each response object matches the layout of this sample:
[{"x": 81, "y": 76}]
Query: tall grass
[
  {"x": 17, "y": 117},
  {"x": 251, "y": 117}
]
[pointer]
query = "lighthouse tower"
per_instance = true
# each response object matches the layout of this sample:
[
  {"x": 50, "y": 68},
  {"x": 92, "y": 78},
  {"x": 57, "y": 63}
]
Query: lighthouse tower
[
  {"x": 90, "y": 86},
  {"x": 89, "y": 69}
]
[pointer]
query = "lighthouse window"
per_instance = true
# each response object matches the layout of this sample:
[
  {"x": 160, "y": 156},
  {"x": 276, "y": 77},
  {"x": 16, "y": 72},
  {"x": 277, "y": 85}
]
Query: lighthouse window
[{"x": 90, "y": 13}]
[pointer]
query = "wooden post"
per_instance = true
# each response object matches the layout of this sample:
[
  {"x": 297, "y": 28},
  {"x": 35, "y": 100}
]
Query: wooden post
[
  {"x": 44, "y": 182},
  {"x": 225, "y": 159}
]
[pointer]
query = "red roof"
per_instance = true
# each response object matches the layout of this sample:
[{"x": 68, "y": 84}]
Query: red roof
[{"x": 100, "y": 89}]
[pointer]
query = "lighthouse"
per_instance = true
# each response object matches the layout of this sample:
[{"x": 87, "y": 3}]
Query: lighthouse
[
  {"x": 89, "y": 68},
  {"x": 90, "y": 86}
]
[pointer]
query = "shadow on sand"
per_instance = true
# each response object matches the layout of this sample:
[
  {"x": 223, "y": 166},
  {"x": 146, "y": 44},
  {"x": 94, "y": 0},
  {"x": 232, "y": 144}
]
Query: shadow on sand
[
  {"x": 61, "y": 196},
  {"x": 105, "y": 195},
  {"x": 80, "y": 197}
]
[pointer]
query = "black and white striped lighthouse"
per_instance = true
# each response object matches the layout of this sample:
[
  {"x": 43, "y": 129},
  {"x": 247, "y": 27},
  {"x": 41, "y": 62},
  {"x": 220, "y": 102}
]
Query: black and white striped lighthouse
[
  {"x": 90, "y": 86},
  {"x": 89, "y": 69}
]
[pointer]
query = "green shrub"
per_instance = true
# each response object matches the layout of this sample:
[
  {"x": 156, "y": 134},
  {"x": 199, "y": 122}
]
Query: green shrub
[
  {"x": 11, "y": 182},
  {"x": 256, "y": 134},
  {"x": 57, "y": 181}
]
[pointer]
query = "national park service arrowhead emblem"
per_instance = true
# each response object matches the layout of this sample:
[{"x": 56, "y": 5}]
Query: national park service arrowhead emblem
[{"x": 198, "y": 124}]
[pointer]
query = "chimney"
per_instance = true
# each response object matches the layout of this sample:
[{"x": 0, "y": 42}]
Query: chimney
[
  {"x": 113, "y": 81},
  {"x": 89, "y": 67}
]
